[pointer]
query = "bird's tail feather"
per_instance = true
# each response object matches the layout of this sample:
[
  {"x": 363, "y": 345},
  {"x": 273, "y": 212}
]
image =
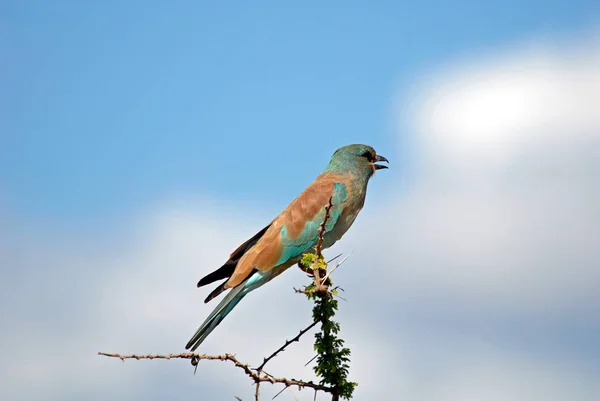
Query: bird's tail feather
[{"x": 225, "y": 306}]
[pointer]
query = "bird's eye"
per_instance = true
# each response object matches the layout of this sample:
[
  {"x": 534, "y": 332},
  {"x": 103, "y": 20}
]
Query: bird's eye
[{"x": 368, "y": 155}]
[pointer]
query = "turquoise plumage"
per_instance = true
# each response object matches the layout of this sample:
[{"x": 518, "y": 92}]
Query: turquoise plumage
[{"x": 294, "y": 232}]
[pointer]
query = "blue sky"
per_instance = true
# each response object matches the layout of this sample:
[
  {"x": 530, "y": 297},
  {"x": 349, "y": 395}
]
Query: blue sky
[
  {"x": 111, "y": 105},
  {"x": 140, "y": 142}
]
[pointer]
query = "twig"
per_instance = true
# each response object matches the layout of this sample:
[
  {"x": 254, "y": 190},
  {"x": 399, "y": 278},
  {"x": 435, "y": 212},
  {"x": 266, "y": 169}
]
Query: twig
[
  {"x": 293, "y": 395},
  {"x": 311, "y": 359},
  {"x": 321, "y": 286},
  {"x": 287, "y": 342},
  {"x": 322, "y": 227},
  {"x": 279, "y": 393},
  {"x": 259, "y": 370},
  {"x": 336, "y": 266},
  {"x": 334, "y": 258},
  {"x": 258, "y": 378}
]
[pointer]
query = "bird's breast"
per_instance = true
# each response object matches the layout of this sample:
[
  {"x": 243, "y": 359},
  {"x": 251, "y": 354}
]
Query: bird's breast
[{"x": 350, "y": 209}]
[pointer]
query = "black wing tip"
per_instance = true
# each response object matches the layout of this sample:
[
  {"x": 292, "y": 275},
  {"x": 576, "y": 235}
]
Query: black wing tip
[
  {"x": 228, "y": 268},
  {"x": 191, "y": 346},
  {"x": 215, "y": 292},
  {"x": 222, "y": 272},
  {"x": 208, "y": 279},
  {"x": 193, "y": 343}
]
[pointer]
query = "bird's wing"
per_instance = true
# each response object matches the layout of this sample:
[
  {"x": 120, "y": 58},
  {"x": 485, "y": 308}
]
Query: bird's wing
[
  {"x": 228, "y": 268},
  {"x": 296, "y": 230}
]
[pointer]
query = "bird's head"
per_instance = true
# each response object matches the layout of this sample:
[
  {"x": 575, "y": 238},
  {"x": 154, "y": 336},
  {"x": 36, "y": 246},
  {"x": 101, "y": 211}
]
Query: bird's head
[{"x": 356, "y": 158}]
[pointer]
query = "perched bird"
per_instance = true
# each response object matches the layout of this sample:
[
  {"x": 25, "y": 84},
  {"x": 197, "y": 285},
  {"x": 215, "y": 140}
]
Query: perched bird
[{"x": 294, "y": 232}]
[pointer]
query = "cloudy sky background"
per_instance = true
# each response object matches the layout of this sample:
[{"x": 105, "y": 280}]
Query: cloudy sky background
[{"x": 141, "y": 144}]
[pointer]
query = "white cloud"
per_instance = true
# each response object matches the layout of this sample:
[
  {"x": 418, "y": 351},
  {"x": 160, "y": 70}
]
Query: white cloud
[
  {"x": 496, "y": 108},
  {"x": 505, "y": 210},
  {"x": 494, "y": 376}
]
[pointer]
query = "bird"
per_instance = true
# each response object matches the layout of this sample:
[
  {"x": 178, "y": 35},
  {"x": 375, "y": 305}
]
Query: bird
[{"x": 342, "y": 186}]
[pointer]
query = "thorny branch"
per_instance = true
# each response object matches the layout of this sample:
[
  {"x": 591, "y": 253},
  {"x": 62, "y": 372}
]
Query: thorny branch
[
  {"x": 284, "y": 346},
  {"x": 322, "y": 227},
  {"x": 259, "y": 370},
  {"x": 321, "y": 285},
  {"x": 318, "y": 283},
  {"x": 195, "y": 358}
]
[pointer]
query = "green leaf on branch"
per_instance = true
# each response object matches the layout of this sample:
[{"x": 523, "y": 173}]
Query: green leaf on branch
[{"x": 332, "y": 364}]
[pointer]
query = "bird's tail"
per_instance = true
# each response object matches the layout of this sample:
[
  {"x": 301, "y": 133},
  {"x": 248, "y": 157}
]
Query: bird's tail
[{"x": 226, "y": 305}]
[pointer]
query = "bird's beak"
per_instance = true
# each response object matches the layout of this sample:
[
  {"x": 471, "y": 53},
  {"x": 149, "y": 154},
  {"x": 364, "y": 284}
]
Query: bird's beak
[{"x": 379, "y": 158}]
